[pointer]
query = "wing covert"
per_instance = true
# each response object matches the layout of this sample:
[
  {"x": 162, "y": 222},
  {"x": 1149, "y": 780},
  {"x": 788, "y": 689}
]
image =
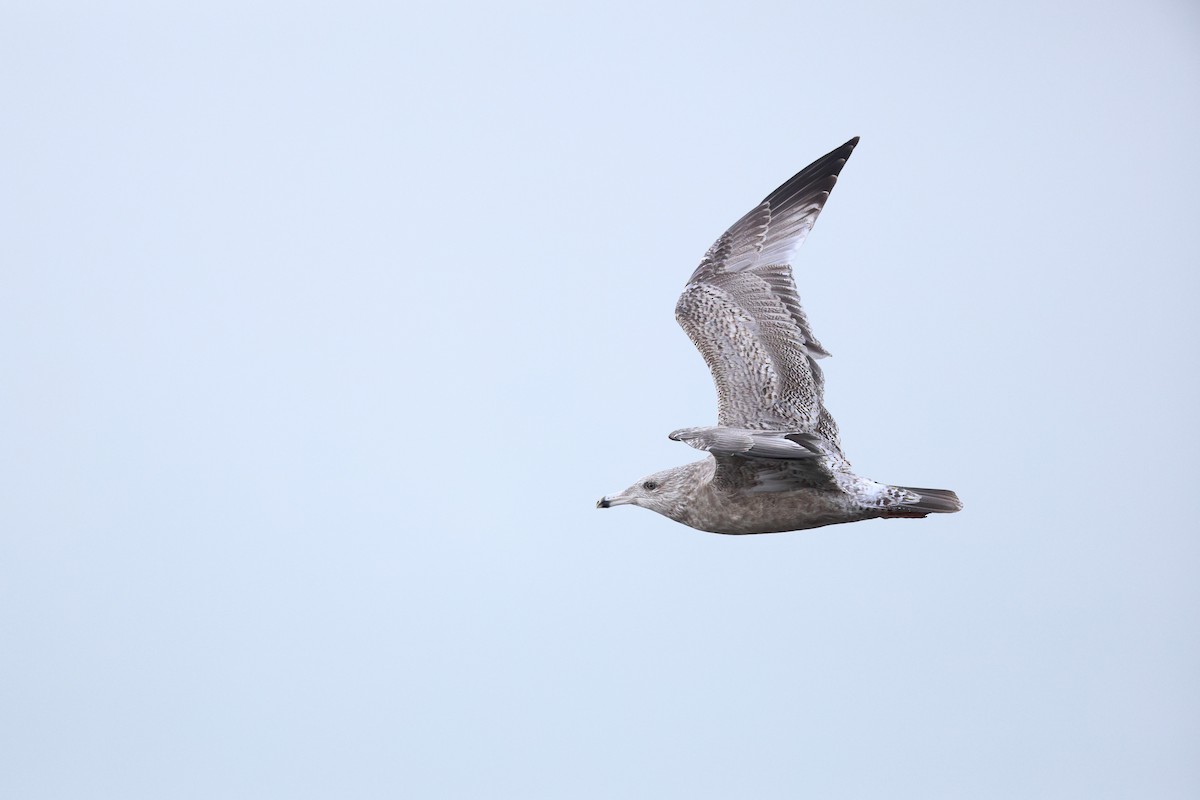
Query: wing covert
[{"x": 743, "y": 313}]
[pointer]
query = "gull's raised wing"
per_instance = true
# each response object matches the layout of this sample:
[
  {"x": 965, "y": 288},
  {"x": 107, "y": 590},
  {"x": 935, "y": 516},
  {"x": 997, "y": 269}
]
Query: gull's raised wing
[{"x": 742, "y": 312}]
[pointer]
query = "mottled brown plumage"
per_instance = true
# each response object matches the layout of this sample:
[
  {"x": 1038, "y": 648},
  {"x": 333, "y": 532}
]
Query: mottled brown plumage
[{"x": 776, "y": 461}]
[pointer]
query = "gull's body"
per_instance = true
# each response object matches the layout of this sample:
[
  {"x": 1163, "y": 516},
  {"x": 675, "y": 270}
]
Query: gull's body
[{"x": 776, "y": 462}]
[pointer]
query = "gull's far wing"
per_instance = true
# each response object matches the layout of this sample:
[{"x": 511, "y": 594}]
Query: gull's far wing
[
  {"x": 742, "y": 312},
  {"x": 753, "y": 461}
]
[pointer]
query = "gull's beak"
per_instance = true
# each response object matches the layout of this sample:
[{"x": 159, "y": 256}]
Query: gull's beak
[{"x": 610, "y": 500}]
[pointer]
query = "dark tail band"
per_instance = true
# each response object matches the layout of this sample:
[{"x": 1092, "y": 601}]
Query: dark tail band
[{"x": 933, "y": 501}]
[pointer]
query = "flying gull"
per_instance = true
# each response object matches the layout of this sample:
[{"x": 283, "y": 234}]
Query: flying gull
[{"x": 775, "y": 461}]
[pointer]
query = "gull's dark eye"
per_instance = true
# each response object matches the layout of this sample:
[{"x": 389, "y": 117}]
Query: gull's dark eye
[{"x": 650, "y": 486}]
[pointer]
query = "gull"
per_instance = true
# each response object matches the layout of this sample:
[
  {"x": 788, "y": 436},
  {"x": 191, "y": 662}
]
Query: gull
[{"x": 775, "y": 460}]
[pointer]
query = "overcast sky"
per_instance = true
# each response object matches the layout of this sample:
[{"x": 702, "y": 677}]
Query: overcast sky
[{"x": 323, "y": 327}]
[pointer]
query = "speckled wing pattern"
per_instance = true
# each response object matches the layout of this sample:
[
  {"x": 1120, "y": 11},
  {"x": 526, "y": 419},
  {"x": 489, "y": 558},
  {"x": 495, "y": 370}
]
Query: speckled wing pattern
[{"x": 741, "y": 310}]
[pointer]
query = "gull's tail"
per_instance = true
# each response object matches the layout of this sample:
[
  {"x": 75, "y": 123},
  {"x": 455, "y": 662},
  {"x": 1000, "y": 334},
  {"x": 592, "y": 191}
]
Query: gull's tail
[{"x": 929, "y": 501}]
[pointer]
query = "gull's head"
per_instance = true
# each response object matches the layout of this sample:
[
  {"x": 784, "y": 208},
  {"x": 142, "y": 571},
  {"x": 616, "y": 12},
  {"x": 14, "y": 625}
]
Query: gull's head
[{"x": 665, "y": 492}]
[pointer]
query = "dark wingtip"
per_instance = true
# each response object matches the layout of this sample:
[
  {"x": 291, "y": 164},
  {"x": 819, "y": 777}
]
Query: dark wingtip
[
  {"x": 807, "y": 441},
  {"x": 819, "y": 176},
  {"x": 602, "y": 502}
]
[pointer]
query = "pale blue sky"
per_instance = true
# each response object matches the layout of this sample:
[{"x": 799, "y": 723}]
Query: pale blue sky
[{"x": 323, "y": 327}]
